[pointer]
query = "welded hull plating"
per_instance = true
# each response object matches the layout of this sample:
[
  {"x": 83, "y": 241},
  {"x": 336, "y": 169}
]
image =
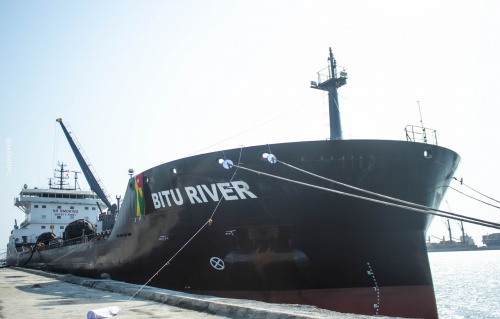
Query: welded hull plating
[{"x": 277, "y": 241}]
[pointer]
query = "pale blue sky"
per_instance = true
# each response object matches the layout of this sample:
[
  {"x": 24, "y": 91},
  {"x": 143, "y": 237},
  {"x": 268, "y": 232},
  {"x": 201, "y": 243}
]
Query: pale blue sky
[{"x": 146, "y": 82}]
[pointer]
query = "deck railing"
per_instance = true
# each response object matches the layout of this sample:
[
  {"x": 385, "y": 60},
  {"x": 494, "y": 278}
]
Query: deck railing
[
  {"x": 79, "y": 240},
  {"x": 421, "y": 134}
]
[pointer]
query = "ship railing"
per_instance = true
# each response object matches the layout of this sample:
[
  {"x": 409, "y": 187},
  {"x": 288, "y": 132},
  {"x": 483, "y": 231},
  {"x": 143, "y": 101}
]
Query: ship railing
[
  {"x": 325, "y": 74},
  {"x": 421, "y": 134},
  {"x": 20, "y": 204},
  {"x": 79, "y": 240}
]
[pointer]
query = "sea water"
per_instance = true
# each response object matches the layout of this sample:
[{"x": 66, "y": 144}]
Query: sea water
[{"x": 466, "y": 283}]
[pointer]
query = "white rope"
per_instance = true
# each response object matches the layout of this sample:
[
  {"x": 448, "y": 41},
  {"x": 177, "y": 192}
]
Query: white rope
[
  {"x": 446, "y": 214},
  {"x": 208, "y": 222},
  {"x": 494, "y": 225},
  {"x": 355, "y": 188}
]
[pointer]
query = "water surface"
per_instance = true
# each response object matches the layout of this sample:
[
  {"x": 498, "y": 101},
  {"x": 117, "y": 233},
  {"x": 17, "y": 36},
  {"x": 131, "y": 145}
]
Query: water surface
[{"x": 467, "y": 283}]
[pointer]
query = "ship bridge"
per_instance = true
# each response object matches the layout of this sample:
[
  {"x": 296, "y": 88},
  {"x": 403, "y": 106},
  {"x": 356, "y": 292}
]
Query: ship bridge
[{"x": 51, "y": 210}]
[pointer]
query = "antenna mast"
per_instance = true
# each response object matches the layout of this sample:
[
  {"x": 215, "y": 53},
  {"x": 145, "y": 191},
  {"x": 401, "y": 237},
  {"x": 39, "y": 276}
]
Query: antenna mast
[
  {"x": 331, "y": 84},
  {"x": 59, "y": 176},
  {"x": 421, "y": 122}
]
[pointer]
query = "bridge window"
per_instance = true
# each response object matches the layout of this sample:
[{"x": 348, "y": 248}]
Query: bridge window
[
  {"x": 36, "y": 206},
  {"x": 43, "y": 227}
]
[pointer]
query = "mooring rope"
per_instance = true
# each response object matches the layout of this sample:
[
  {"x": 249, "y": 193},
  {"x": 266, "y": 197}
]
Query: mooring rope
[
  {"x": 208, "y": 222},
  {"x": 427, "y": 210},
  {"x": 353, "y": 187},
  {"x": 381, "y": 195},
  {"x": 472, "y": 189},
  {"x": 33, "y": 250},
  {"x": 481, "y": 201}
]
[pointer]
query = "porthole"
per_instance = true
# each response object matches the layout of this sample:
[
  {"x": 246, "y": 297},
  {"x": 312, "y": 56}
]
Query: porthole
[{"x": 173, "y": 171}]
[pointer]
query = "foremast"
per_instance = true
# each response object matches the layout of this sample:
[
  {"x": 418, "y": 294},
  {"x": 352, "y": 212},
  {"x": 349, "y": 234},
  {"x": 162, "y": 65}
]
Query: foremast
[{"x": 331, "y": 84}]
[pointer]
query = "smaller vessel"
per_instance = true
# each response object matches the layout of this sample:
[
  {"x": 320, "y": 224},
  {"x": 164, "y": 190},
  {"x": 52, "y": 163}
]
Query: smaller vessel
[
  {"x": 49, "y": 211},
  {"x": 466, "y": 242}
]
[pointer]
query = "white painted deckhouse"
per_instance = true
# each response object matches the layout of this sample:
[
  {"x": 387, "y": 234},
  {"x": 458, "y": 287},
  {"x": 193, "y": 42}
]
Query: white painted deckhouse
[{"x": 51, "y": 210}]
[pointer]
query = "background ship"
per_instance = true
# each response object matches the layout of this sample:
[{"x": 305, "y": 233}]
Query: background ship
[
  {"x": 279, "y": 223},
  {"x": 492, "y": 240},
  {"x": 50, "y": 210},
  {"x": 465, "y": 242}
]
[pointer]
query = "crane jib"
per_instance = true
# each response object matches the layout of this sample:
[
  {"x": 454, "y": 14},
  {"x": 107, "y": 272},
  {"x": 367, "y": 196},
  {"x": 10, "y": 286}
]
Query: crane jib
[{"x": 91, "y": 179}]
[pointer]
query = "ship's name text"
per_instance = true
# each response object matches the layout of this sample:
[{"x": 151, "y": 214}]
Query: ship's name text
[
  {"x": 71, "y": 211},
  {"x": 202, "y": 194}
]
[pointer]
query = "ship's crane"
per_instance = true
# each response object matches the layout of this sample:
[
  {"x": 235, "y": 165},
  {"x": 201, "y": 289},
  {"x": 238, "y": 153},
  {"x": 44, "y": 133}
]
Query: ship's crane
[
  {"x": 461, "y": 225},
  {"x": 87, "y": 168}
]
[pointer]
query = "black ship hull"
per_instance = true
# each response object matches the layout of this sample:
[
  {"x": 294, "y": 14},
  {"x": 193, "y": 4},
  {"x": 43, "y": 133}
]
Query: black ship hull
[{"x": 273, "y": 240}]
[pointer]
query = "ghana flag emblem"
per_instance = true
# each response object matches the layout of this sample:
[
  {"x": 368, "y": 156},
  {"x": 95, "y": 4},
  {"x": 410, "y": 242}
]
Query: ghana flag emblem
[{"x": 139, "y": 201}]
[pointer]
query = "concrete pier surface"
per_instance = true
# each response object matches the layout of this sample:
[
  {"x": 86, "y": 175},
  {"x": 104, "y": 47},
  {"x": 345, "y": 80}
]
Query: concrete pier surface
[{"x": 28, "y": 293}]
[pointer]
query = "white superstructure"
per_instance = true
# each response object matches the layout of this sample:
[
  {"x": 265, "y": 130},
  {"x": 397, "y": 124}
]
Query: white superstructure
[{"x": 51, "y": 210}]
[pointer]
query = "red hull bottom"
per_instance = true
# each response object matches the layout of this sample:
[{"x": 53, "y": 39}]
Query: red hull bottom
[{"x": 403, "y": 301}]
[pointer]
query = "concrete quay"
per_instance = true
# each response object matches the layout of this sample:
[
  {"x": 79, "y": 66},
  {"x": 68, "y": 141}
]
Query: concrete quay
[{"x": 29, "y": 293}]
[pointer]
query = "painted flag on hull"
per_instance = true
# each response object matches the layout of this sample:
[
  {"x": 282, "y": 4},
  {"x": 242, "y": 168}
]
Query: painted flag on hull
[{"x": 139, "y": 201}]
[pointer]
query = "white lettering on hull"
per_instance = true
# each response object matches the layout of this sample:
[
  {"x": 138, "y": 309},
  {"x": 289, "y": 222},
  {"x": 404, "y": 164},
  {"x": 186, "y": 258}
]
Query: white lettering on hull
[{"x": 199, "y": 194}]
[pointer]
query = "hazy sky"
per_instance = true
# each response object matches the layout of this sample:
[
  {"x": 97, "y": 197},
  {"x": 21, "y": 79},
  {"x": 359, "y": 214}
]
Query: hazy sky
[{"x": 146, "y": 82}]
